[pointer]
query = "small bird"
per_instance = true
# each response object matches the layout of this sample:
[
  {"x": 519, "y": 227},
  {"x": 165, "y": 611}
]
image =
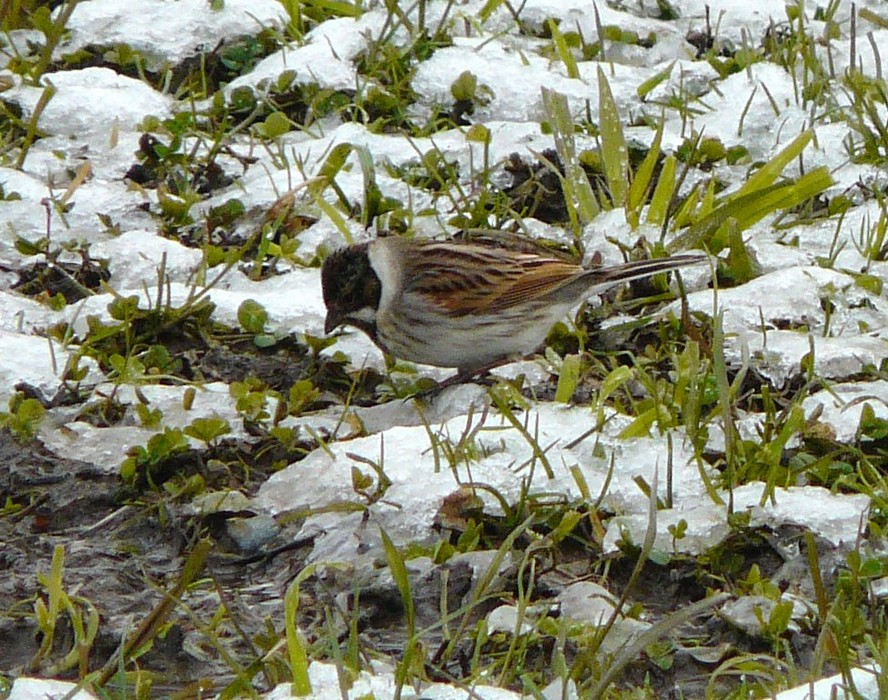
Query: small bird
[{"x": 460, "y": 303}]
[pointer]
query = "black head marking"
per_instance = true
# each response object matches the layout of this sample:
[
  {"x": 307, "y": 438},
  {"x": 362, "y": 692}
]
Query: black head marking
[{"x": 349, "y": 284}]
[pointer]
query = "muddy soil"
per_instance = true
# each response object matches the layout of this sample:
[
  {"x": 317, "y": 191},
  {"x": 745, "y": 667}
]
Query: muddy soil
[{"x": 122, "y": 553}]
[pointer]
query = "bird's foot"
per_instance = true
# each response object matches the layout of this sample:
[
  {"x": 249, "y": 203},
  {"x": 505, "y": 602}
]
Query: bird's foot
[{"x": 477, "y": 376}]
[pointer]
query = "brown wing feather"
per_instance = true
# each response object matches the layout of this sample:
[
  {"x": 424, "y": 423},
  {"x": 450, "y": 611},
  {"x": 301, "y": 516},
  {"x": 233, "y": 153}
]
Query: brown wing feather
[
  {"x": 465, "y": 279},
  {"x": 537, "y": 281},
  {"x": 462, "y": 279}
]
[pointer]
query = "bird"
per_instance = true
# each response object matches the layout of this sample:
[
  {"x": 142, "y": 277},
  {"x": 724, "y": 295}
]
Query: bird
[{"x": 460, "y": 303}]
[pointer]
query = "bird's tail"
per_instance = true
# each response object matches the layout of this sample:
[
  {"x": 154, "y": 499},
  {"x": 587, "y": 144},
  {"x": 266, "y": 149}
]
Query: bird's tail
[{"x": 599, "y": 279}]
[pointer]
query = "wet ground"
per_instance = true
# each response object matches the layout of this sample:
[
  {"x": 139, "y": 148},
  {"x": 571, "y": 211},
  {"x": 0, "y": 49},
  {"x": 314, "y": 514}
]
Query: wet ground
[{"x": 121, "y": 554}]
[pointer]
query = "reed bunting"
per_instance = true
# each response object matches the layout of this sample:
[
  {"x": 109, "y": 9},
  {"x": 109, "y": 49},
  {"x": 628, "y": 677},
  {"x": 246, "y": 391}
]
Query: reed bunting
[{"x": 464, "y": 304}]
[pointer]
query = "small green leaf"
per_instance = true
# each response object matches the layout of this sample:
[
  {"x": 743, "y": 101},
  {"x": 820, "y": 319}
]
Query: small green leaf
[
  {"x": 156, "y": 357},
  {"x": 871, "y": 283},
  {"x": 568, "y": 522},
  {"x": 41, "y": 19},
  {"x": 465, "y": 87},
  {"x": 123, "y": 308},
  {"x": 780, "y": 617},
  {"x": 128, "y": 469},
  {"x": 568, "y": 378},
  {"x": 318, "y": 344},
  {"x": 361, "y": 481},
  {"x": 226, "y": 213},
  {"x": 302, "y": 394},
  {"x": 264, "y": 340},
  {"x": 679, "y": 529},
  {"x": 207, "y": 429},
  {"x": 171, "y": 441},
  {"x": 148, "y": 417},
  {"x": 26, "y": 247},
  {"x": 24, "y": 417},
  {"x": 252, "y": 316},
  {"x": 478, "y": 133},
  {"x": 126, "y": 369}
]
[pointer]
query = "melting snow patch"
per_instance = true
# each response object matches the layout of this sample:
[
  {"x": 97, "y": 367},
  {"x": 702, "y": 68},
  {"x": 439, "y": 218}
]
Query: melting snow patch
[
  {"x": 35, "y": 361},
  {"x": 841, "y": 406},
  {"x": 865, "y": 687},
  {"x": 326, "y": 683},
  {"x": 837, "y": 518},
  {"x": 422, "y": 468},
  {"x": 114, "y": 100},
  {"x": 780, "y": 317},
  {"x": 164, "y": 31},
  {"x": 45, "y": 689},
  {"x": 326, "y": 58}
]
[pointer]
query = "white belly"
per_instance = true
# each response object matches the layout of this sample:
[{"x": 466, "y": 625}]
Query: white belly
[{"x": 468, "y": 342}]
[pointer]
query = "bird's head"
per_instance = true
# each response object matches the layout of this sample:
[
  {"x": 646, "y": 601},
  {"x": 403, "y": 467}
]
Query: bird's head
[{"x": 351, "y": 288}]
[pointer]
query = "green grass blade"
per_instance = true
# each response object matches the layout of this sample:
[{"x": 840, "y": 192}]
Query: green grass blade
[
  {"x": 489, "y": 8},
  {"x": 398, "y": 567},
  {"x": 331, "y": 166},
  {"x": 662, "y": 197},
  {"x": 399, "y": 573},
  {"x": 750, "y": 208},
  {"x": 582, "y": 206},
  {"x": 770, "y": 171},
  {"x": 648, "y": 85},
  {"x": 300, "y": 685},
  {"x": 564, "y": 52},
  {"x": 641, "y": 181},
  {"x": 614, "y": 153},
  {"x": 334, "y": 8}
]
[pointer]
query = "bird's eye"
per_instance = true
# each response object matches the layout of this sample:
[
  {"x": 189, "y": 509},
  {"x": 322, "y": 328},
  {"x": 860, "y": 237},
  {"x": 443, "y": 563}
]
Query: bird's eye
[
  {"x": 371, "y": 292},
  {"x": 350, "y": 296}
]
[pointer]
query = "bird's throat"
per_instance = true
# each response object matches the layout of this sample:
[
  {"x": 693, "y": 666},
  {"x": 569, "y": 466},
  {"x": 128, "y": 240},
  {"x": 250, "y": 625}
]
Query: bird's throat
[{"x": 364, "y": 319}]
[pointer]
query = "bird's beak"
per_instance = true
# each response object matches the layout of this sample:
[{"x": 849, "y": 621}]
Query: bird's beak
[{"x": 332, "y": 322}]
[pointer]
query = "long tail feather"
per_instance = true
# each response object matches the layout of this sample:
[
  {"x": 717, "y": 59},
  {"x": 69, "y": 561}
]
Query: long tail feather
[{"x": 598, "y": 280}]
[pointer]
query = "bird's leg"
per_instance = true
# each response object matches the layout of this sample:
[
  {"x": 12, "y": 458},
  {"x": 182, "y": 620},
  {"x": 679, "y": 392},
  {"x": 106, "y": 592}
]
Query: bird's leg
[
  {"x": 459, "y": 378},
  {"x": 480, "y": 375}
]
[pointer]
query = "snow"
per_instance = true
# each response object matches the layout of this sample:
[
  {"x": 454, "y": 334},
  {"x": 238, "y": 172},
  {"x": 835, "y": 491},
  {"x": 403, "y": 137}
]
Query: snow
[
  {"x": 167, "y": 30},
  {"x": 774, "y": 321}
]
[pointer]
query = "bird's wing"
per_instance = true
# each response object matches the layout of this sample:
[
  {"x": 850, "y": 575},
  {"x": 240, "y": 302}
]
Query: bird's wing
[{"x": 463, "y": 279}]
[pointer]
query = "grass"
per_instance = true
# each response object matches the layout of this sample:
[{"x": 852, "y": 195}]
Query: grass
[{"x": 672, "y": 378}]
